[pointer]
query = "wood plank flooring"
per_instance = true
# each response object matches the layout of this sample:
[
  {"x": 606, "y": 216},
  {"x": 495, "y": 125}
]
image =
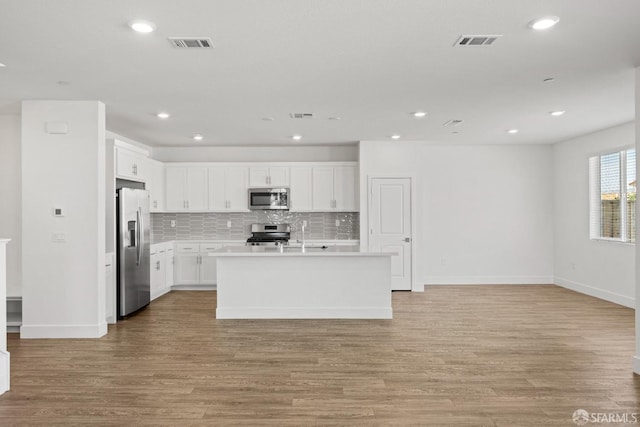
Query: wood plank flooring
[{"x": 452, "y": 356}]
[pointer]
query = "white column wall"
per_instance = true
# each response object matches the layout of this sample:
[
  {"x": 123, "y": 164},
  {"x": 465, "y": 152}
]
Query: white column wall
[
  {"x": 636, "y": 359},
  {"x": 63, "y": 283},
  {"x": 485, "y": 213},
  {"x": 599, "y": 268},
  {"x": 10, "y": 200}
]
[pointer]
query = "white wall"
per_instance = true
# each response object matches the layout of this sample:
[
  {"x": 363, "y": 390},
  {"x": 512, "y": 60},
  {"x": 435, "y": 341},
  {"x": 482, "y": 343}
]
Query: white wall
[
  {"x": 63, "y": 283},
  {"x": 256, "y": 154},
  {"x": 10, "y": 200},
  {"x": 599, "y": 268},
  {"x": 485, "y": 213}
]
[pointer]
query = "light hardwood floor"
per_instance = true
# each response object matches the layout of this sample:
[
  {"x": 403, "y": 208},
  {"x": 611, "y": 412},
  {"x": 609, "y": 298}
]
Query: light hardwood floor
[{"x": 456, "y": 356}]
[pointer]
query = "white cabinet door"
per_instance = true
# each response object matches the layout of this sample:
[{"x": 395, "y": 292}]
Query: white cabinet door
[
  {"x": 168, "y": 267},
  {"x": 279, "y": 176},
  {"x": 236, "y": 186},
  {"x": 228, "y": 189},
  {"x": 217, "y": 196},
  {"x": 300, "y": 189},
  {"x": 130, "y": 165},
  {"x": 186, "y": 189},
  {"x": 261, "y": 176},
  {"x": 258, "y": 176},
  {"x": 344, "y": 189},
  {"x": 196, "y": 189},
  {"x": 155, "y": 185},
  {"x": 187, "y": 268},
  {"x": 208, "y": 271},
  {"x": 323, "y": 189},
  {"x": 175, "y": 197},
  {"x": 157, "y": 274}
]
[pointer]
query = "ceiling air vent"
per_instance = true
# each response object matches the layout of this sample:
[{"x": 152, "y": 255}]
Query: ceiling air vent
[
  {"x": 451, "y": 123},
  {"x": 191, "y": 42},
  {"x": 301, "y": 115},
  {"x": 485, "y": 40}
]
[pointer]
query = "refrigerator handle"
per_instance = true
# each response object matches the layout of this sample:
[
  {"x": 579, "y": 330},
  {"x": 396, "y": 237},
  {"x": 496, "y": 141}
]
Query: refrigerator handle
[{"x": 139, "y": 236}]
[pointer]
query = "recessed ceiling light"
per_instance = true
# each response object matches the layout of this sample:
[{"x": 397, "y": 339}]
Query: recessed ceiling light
[
  {"x": 198, "y": 137},
  {"x": 268, "y": 119},
  {"x": 2, "y": 65},
  {"x": 163, "y": 115},
  {"x": 142, "y": 26},
  {"x": 419, "y": 114},
  {"x": 512, "y": 131},
  {"x": 557, "y": 113},
  {"x": 296, "y": 137},
  {"x": 544, "y": 23},
  {"x": 396, "y": 136},
  {"x": 335, "y": 118}
]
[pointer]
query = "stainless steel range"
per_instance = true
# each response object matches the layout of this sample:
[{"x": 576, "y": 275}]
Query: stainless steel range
[{"x": 269, "y": 234}]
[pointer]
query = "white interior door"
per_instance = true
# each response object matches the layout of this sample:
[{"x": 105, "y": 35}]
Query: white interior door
[{"x": 390, "y": 222}]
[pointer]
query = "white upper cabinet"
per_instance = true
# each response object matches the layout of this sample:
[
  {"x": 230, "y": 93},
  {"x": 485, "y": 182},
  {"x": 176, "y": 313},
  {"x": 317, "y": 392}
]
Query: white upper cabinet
[
  {"x": 335, "y": 188},
  {"x": 186, "y": 188},
  {"x": 155, "y": 185},
  {"x": 300, "y": 189},
  {"x": 228, "y": 189},
  {"x": 262, "y": 176},
  {"x": 130, "y": 164}
]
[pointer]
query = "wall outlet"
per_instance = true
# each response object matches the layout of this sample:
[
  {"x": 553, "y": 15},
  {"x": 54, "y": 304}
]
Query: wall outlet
[
  {"x": 337, "y": 223},
  {"x": 173, "y": 223},
  {"x": 228, "y": 224},
  {"x": 304, "y": 222}
]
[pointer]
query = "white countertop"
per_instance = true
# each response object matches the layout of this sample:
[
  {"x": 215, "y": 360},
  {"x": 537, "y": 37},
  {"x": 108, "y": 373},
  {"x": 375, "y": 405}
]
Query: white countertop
[{"x": 289, "y": 251}]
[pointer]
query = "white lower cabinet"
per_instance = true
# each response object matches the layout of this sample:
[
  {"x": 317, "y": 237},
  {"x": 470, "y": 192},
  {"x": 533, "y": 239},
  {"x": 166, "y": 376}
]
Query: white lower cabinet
[
  {"x": 193, "y": 265},
  {"x": 161, "y": 258}
]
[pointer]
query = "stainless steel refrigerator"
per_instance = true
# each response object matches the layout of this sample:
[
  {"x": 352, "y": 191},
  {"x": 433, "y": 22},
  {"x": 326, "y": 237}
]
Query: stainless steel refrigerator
[{"x": 133, "y": 221}]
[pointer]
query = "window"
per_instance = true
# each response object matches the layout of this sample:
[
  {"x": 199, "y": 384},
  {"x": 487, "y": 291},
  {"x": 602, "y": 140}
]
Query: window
[{"x": 612, "y": 183}]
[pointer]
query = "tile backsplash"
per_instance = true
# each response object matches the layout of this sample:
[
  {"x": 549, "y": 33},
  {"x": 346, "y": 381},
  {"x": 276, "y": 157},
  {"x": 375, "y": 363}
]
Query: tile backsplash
[{"x": 213, "y": 226}]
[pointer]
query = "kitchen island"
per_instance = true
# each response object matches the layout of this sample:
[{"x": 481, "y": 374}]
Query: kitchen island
[{"x": 336, "y": 282}]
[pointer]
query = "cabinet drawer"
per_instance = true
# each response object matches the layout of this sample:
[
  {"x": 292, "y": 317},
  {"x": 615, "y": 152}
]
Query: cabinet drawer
[
  {"x": 208, "y": 247},
  {"x": 188, "y": 247}
]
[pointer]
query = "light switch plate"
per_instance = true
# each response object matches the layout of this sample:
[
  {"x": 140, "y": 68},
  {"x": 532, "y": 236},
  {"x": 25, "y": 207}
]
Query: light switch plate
[
  {"x": 337, "y": 223},
  {"x": 59, "y": 237},
  {"x": 228, "y": 224},
  {"x": 173, "y": 223}
]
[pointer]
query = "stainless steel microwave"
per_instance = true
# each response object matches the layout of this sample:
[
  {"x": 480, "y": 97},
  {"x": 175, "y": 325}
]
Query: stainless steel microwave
[{"x": 269, "y": 198}]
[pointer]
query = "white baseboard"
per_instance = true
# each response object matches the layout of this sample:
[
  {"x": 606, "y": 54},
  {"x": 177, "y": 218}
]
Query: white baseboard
[
  {"x": 194, "y": 287},
  {"x": 304, "y": 313},
  {"x": 636, "y": 365},
  {"x": 488, "y": 280},
  {"x": 159, "y": 294},
  {"x": 5, "y": 369},
  {"x": 596, "y": 292},
  {"x": 63, "y": 331}
]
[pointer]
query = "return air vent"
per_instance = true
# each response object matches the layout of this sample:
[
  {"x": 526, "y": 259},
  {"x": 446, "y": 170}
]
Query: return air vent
[
  {"x": 478, "y": 40},
  {"x": 301, "y": 115},
  {"x": 191, "y": 42},
  {"x": 451, "y": 123}
]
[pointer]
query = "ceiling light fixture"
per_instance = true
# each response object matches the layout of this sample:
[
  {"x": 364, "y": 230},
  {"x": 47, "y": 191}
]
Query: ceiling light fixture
[
  {"x": 395, "y": 136},
  {"x": 556, "y": 113},
  {"x": 419, "y": 114},
  {"x": 544, "y": 23},
  {"x": 296, "y": 137},
  {"x": 512, "y": 131},
  {"x": 163, "y": 115},
  {"x": 142, "y": 26},
  {"x": 198, "y": 137}
]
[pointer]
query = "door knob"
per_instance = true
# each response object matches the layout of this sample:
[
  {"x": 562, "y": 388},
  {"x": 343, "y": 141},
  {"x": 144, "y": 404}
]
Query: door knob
[{"x": 407, "y": 239}]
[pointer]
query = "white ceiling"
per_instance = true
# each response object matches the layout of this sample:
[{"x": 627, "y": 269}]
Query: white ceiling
[{"x": 370, "y": 62}]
